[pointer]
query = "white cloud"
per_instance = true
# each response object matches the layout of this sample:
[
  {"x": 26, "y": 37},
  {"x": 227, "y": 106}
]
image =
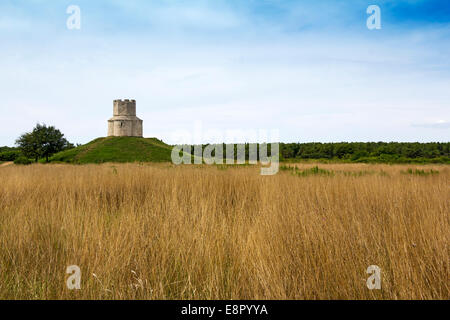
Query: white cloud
[
  {"x": 312, "y": 86},
  {"x": 439, "y": 124}
]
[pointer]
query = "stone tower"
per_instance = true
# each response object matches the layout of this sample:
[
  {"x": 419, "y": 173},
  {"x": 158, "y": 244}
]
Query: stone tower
[{"x": 124, "y": 122}]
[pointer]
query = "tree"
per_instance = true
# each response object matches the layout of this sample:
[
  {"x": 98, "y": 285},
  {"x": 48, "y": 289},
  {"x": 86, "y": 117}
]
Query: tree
[
  {"x": 42, "y": 142},
  {"x": 28, "y": 145}
]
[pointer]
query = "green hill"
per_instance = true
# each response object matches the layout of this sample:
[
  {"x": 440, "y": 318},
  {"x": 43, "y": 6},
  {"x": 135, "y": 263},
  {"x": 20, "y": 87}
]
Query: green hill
[{"x": 117, "y": 149}]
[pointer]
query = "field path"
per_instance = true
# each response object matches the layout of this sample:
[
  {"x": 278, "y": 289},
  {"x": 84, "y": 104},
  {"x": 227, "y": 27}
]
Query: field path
[{"x": 6, "y": 164}]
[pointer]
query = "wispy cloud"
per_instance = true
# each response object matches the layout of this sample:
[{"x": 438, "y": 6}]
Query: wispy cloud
[
  {"x": 440, "y": 124},
  {"x": 308, "y": 68}
]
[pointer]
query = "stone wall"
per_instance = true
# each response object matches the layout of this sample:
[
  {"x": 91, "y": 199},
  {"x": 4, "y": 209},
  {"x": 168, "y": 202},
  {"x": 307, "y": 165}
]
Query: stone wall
[{"x": 124, "y": 123}]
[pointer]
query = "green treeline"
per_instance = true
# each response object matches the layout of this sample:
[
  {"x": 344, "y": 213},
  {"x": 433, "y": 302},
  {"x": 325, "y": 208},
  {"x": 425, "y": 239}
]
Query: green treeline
[
  {"x": 370, "y": 152},
  {"x": 9, "y": 154}
]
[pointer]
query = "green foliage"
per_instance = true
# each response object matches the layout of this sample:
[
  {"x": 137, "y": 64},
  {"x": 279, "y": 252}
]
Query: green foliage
[
  {"x": 314, "y": 171},
  {"x": 117, "y": 149},
  {"x": 130, "y": 149},
  {"x": 42, "y": 142},
  {"x": 369, "y": 152},
  {"x": 22, "y": 161},
  {"x": 363, "y": 152},
  {"x": 420, "y": 172},
  {"x": 10, "y": 155},
  {"x": 358, "y": 173}
]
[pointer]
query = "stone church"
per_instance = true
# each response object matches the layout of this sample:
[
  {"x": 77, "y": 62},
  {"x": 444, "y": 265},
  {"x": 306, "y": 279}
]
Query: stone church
[{"x": 124, "y": 122}]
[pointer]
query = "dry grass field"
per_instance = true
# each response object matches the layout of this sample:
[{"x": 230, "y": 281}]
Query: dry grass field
[{"x": 208, "y": 232}]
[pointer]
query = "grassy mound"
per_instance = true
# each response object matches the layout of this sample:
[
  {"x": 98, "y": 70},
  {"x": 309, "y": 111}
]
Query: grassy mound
[{"x": 117, "y": 149}]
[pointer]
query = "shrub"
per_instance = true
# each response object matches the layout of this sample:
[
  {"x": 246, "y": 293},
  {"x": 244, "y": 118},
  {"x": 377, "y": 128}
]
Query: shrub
[
  {"x": 307, "y": 172},
  {"x": 420, "y": 172},
  {"x": 315, "y": 171},
  {"x": 9, "y": 155},
  {"x": 22, "y": 160}
]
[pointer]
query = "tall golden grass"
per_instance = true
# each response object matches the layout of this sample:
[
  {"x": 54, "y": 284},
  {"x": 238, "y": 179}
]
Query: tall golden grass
[{"x": 206, "y": 232}]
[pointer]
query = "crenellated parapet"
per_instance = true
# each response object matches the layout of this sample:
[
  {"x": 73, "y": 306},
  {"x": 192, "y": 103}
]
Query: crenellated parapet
[{"x": 124, "y": 107}]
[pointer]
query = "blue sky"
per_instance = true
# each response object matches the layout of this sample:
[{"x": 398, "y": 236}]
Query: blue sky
[{"x": 310, "y": 69}]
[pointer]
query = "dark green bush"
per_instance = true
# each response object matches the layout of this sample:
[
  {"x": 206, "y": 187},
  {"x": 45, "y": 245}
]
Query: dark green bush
[
  {"x": 22, "y": 160},
  {"x": 9, "y": 155}
]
